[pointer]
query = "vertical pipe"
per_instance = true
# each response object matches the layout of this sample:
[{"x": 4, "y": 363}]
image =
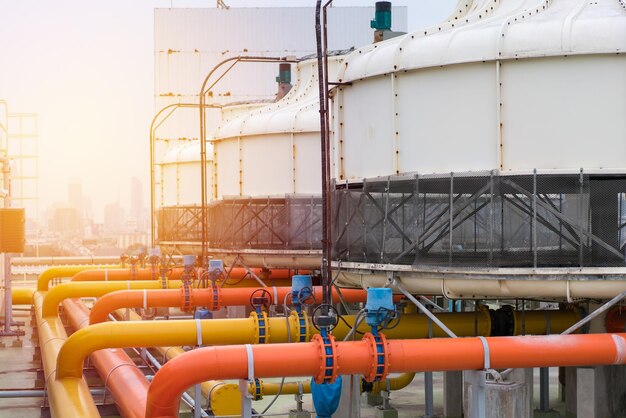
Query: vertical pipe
[
  {"x": 581, "y": 218},
  {"x": 348, "y": 198},
  {"x": 450, "y": 220},
  {"x": 203, "y": 199},
  {"x": 326, "y": 167},
  {"x": 324, "y": 157},
  {"x": 491, "y": 220},
  {"x": 544, "y": 389},
  {"x": 417, "y": 217},
  {"x": 8, "y": 301},
  {"x": 534, "y": 231},
  {"x": 428, "y": 383},
  {"x": 385, "y": 220},
  {"x": 197, "y": 398}
]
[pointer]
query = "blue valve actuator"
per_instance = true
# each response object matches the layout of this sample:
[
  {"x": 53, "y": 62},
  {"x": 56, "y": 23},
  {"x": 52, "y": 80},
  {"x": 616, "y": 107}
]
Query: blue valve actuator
[
  {"x": 379, "y": 299},
  {"x": 301, "y": 288}
]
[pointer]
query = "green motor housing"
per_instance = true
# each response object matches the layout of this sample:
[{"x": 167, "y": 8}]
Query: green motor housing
[{"x": 382, "y": 19}]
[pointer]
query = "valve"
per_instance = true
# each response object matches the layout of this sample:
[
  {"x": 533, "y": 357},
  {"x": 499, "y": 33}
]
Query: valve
[
  {"x": 188, "y": 263},
  {"x": 123, "y": 259},
  {"x": 260, "y": 298},
  {"x": 324, "y": 318},
  {"x": 154, "y": 258},
  {"x": 142, "y": 257},
  {"x": 216, "y": 270},
  {"x": 301, "y": 290},
  {"x": 380, "y": 309}
]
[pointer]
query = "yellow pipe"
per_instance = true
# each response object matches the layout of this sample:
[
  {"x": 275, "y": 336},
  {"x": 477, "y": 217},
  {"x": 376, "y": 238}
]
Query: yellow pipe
[
  {"x": 225, "y": 398},
  {"x": 395, "y": 383},
  {"x": 226, "y": 332},
  {"x": 44, "y": 278},
  {"x": 68, "y": 397},
  {"x": 22, "y": 296},
  {"x": 545, "y": 321},
  {"x": 57, "y": 294}
]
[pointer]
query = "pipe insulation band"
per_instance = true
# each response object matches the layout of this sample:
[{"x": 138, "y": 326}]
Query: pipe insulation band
[
  {"x": 106, "y": 275},
  {"x": 199, "y": 332},
  {"x": 486, "y": 361},
  {"x": 145, "y": 300},
  {"x": 250, "y": 355},
  {"x": 275, "y": 295}
]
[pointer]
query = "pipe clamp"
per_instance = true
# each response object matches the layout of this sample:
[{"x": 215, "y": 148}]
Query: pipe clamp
[
  {"x": 486, "y": 361},
  {"x": 250, "y": 356}
]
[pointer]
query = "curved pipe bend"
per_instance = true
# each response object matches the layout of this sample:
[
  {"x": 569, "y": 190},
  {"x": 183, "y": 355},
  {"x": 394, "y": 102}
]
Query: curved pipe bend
[
  {"x": 355, "y": 357},
  {"x": 43, "y": 281},
  {"x": 59, "y": 293},
  {"x": 124, "y": 380},
  {"x": 70, "y": 397}
]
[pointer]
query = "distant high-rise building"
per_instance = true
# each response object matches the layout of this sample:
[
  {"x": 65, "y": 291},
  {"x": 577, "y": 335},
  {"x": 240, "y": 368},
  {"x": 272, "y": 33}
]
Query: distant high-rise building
[
  {"x": 65, "y": 221},
  {"x": 113, "y": 218},
  {"x": 75, "y": 194}
]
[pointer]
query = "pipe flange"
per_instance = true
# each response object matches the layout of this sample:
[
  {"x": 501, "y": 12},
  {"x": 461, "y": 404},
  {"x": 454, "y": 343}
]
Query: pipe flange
[
  {"x": 187, "y": 296},
  {"x": 379, "y": 366},
  {"x": 257, "y": 389},
  {"x": 164, "y": 278},
  {"x": 262, "y": 333},
  {"x": 216, "y": 300},
  {"x": 329, "y": 369},
  {"x": 302, "y": 326}
]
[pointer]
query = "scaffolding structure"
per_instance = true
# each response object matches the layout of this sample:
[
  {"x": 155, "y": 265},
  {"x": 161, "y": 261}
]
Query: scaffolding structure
[
  {"x": 482, "y": 220},
  {"x": 23, "y": 150},
  {"x": 285, "y": 223}
]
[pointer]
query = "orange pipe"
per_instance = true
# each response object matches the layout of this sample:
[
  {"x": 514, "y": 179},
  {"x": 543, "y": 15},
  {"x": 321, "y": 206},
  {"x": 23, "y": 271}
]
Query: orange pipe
[
  {"x": 148, "y": 274},
  {"x": 123, "y": 379},
  {"x": 202, "y": 297},
  {"x": 357, "y": 357},
  {"x": 122, "y": 274}
]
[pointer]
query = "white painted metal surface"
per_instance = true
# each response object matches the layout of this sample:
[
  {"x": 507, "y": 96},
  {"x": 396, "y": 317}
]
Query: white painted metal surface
[
  {"x": 274, "y": 150},
  {"x": 507, "y": 85},
  {"x": 180, "y": 172},
  {"x": 190, "y": 42}
]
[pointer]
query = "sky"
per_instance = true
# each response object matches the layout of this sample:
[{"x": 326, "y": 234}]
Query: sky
[{"x": 86, "y": 68}]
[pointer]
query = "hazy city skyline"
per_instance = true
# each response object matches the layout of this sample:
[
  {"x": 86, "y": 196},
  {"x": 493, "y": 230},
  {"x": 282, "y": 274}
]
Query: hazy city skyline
[{"x": 64, "y": 64}]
